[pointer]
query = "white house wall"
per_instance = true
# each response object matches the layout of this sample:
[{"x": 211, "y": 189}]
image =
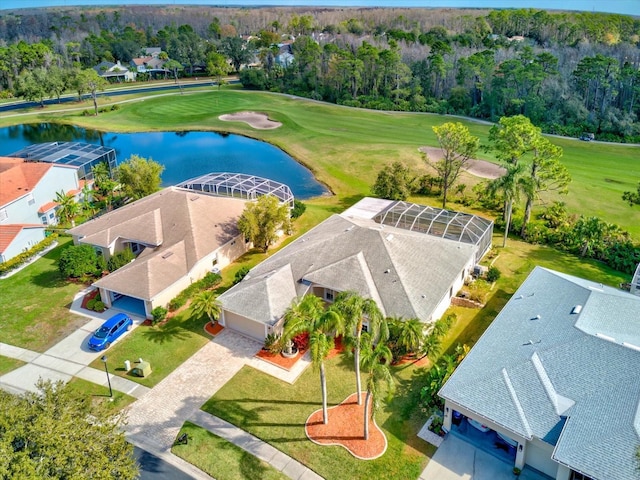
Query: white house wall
[
  {"x": 454, "y": 288},
  {"x": 26, "y": 239},
  {"x": 56, "y": 179},
  {"x": 538, "y": 455},
  {"x": 255, "y": 330}
]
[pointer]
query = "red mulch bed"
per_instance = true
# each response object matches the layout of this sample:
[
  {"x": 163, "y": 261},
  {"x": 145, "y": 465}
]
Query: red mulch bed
[
  {"x": 346, "y": 428},
  {"x": 213, "y": 329},
  {"x": 410, "y": 360},
  {"x": 89, "y": 296},
  {"x": 288, "y": 363}
]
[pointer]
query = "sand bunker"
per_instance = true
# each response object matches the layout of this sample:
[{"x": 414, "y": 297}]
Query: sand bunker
[
  {"x": 479, "y": 168},
  {"x": 259, "y": 121}
]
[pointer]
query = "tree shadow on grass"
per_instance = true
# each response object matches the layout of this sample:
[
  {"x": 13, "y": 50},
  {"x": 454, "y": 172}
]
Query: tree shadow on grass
[
  {"x": 49, "y": 279},
  {"x": 166, "y": 333}
]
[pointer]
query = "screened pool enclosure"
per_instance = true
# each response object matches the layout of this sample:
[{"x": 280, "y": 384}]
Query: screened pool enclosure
[{"x": 239, "y": 185}]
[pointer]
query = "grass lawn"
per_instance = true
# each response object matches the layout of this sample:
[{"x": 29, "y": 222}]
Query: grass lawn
[
  {"x": 220, "y": 459},
  {"x": 345, "y": 147},
  {"x": 276, "y": 412},
  {"x": 7, "y": 364},
  {"x": 100, "y": 394},
  {"x": 34, "y": 304},
  {"x": 165, "y": 346}
]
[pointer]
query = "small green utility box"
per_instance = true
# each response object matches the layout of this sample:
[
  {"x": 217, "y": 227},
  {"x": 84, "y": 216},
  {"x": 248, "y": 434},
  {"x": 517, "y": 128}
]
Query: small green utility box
[{"x": 142, "y": 370}]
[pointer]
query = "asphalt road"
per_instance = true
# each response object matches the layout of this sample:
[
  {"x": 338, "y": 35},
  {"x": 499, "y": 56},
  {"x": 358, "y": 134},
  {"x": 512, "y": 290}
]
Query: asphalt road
[
  {"x": 154, "y": 468},
  {"x": 110, "y": 93}
]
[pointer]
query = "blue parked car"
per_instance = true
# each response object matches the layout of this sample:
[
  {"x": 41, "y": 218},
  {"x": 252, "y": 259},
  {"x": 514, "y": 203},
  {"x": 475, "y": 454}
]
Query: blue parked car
[{"x": 110, "y": 331}]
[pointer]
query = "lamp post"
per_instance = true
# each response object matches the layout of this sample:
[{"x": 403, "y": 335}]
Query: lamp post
[{"x": 104, "y": 360}]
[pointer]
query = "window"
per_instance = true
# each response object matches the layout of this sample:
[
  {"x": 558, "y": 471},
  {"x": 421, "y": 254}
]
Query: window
[
  {"x": 3, "y": 214},
  {"x": 365, "y": 327},
  {"x": 328, "y": 294},
  {"x": 44, "y": 220},
  {"x": 30, "y": 199},
  {"x": 52, "y": 215}
]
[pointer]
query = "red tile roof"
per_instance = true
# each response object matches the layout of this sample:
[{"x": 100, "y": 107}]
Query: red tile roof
[
  {"x": 48, "y": 206},
  {"x": 18, "y": 177},
  {"x": 8, "y": 233}
]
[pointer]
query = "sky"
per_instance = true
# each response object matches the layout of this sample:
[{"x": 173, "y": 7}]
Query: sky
[{"x": 628, "y": 7}]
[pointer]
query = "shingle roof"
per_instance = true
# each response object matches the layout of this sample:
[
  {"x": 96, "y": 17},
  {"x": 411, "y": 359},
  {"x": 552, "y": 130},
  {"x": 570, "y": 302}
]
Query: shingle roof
[
  {"x": 8, "y": 233},
  {"x": 574, "y": 383},
  {"x": 407, "y": 273},
  {"x": 17, "y": 178},
  {"x": 178, "y": 227}
]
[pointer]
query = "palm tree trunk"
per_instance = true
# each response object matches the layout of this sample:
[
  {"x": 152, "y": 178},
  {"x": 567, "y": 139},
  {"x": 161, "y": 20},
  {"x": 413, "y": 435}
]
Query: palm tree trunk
[
  {"x": 356, "y": 359},
  {"x": 323, "y": 382},
  {"x": 366, "y": 415},
  {"x": 527, "y": 217},
  {"x": 507, "y": 223}
]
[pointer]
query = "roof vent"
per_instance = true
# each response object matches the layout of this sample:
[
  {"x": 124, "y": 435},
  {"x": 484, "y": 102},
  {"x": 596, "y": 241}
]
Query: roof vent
[
  {"x": 167, "y": 255},
  {"x": 423, "y": 296},
  {"x": 193, "y": 199},
  {"x": 349, "y": 228},
  {"x": 387, "y": 271},
  {"x": 390, "y": 237},
  {"x": 576, "y": 309},
  {"x": 531, "y": 342},
  {"x": 537, "y": 317}
]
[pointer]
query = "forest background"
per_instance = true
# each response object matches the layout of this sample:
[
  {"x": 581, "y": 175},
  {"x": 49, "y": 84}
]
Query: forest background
[{"x": 570, "y": 73}]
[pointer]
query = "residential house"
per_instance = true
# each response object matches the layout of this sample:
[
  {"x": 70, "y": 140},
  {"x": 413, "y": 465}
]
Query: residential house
[
  {"x": 377, "y": 248},
  {"x": 115, "y": 72},
  {"x": 177, "y": 236},
  {"x": 27, "y": 201},
  {"x": 556, "y": 376},
  {"x": 152, "y": 65},
  {"x": 285, "y": 56}
]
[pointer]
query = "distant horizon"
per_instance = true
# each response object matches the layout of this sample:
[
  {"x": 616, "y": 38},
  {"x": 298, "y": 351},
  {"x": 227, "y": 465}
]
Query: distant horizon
[{"x": 624, "y": 7}]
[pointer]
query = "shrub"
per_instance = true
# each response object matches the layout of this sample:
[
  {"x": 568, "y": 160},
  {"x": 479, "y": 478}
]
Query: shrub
[
  {"x": 158, "y": 314},
  {"x": 91, "y": 304},
  {"x": 240, "y": 274},
  {"x": 98, "y": 306},
  {"x": 120, "y": 259},
  {"x": 208, "y": 281},
  {"x": 298, "y": 209},
  {"x": 24, "y": 257},
  {"x": 478, "y": 291},
  {"x": 493, "y": 274},
  {"x": 301, "y": 341},
  {"x": 273, "y": 344},
  {"x": 78, "y": 260}
]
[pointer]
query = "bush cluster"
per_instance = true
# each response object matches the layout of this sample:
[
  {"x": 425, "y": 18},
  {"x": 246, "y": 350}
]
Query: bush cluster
[
  {"x": 24, "y": 257},
  {"x": 210, "y": 280}
]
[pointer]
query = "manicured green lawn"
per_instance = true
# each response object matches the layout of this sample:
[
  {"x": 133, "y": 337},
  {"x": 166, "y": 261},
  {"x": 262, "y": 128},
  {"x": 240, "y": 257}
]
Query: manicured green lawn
[
  {"x": 220, "y": 459},
  {"x": 165, "y": 346},
  {"x": 7, "y": 364},
  {"x": 100, "y": 394},
  {"x": 276, "y": 412},
  {"x": 346, "y": 147},
  {"x": 34, "y": 304}
]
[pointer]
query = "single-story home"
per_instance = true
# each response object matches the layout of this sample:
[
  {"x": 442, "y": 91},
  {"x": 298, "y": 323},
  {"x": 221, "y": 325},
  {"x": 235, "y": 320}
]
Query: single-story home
[
  {"x": 557, "y": 377},
  {"x": 115, "y": 71},
  {"x": 406, "y": 257},
  {"x": 178, "y": 235}
]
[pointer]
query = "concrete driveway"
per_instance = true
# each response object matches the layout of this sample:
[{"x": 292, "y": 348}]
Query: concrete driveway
[{"x": 459, "y": 460}]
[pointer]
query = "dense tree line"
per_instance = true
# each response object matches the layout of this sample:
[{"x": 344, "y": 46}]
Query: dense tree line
[{"x": 568, "y": 72}]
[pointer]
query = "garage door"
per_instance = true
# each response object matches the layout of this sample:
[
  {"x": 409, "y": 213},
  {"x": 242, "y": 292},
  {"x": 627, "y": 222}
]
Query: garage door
[
  {"x": 244, "y": 325},
  {"x": 539, "y": 457}
]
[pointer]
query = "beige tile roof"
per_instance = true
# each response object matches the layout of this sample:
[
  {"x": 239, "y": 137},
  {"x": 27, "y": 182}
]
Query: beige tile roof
[{"x": 179, "y": 228}]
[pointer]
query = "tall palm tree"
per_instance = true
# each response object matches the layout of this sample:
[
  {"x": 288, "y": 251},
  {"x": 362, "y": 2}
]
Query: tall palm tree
[
  {"x": 354, "y": 311},
  {"x": 206, "y": 303},
  {"x": 309, "y": 315},
  {"x": 510, "y": 185},
  {"x": 375, "y": 360},
  {"x": 320, "y": 344},
  {"x": 409, "y": 333}
]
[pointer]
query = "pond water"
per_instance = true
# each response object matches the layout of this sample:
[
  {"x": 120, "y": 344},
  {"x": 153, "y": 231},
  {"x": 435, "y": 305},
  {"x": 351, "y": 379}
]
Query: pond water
[{"x": 184, "y": 154}]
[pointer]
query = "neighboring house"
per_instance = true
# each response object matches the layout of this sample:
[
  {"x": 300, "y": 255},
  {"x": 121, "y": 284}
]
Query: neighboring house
[
  {"x": 16, "y": 238},
  {"x": 148, "y": 65},
  {"x": 82, "y": 156},
  {"x": 558, "y": 373},
  {"x": 28, "y": 190},
  {"x": 115, "y": 71},
  {"x": 284, "y": 57},
  {"x": 152, "y": 52},
  {"x": 178, "y": 236},
  {"x": 370, "y": 249}
]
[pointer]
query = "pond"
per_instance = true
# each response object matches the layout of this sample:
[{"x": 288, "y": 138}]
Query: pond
[{"x": 184, "y": 154}]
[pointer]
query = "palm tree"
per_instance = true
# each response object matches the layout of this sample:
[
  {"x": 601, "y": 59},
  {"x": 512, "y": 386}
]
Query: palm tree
[
  {"x": 68, "y": 208},
  {"x": 310, "y": 315},
  {"x": 320, "y": 344},
  {"x": 206, "y": 303},
  {"x": 409, "y": 334},
  {"x": 354, "y": 310},
  {"x": 375, "y": 360},
  {"x": 510, "y": 185}
]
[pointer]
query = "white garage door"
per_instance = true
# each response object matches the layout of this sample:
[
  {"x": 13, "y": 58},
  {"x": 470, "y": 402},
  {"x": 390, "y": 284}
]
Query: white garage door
[
  {"x": 539, "y": 457},
  {"x": 244, "y": 325}
]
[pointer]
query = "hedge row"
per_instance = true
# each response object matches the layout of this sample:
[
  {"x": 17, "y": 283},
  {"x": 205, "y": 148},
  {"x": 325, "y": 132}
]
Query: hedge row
[{"x": 24, "y": 257}]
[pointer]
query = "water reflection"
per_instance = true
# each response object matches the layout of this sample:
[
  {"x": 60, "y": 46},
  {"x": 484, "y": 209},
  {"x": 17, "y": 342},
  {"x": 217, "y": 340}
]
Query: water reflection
[{"x": 184, "y": 154}]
